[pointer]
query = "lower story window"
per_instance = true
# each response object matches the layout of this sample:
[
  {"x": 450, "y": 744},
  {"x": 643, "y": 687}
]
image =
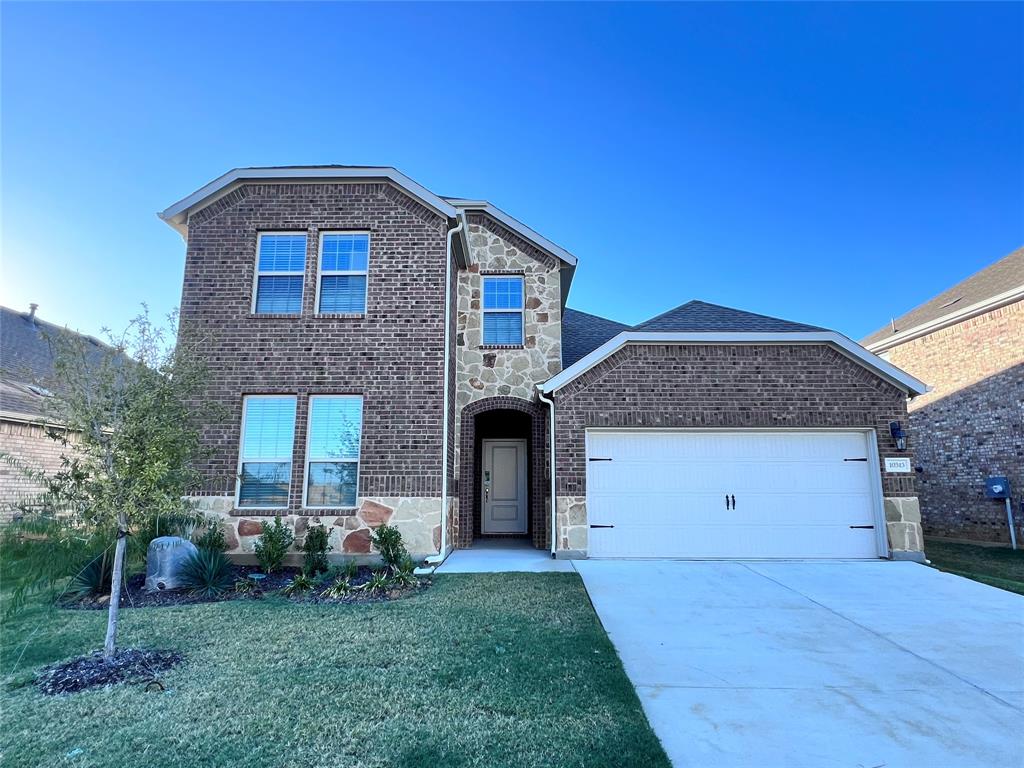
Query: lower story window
[
  {"x": 332, "y": 450},
  {"x": 265, "y": 460}
]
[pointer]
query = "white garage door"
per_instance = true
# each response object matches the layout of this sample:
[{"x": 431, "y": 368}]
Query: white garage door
[{"x": 731, "y": 494}]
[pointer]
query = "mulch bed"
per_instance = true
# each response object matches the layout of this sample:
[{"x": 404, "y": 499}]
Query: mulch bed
[
  {"x": 93, "y": 671},
  {"x": 134, "y": 594}
]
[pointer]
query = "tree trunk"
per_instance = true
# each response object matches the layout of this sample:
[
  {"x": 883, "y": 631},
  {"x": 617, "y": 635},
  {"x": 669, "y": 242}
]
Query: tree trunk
[{"x": 116, "y": 577}]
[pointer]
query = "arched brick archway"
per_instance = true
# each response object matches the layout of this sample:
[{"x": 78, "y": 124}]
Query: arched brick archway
[{"x": 469, "y": 476}]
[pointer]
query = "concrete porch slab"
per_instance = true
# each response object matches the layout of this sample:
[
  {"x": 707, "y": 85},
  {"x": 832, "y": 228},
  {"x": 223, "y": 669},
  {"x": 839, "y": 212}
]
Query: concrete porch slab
[{"x": 502, "y": 557}]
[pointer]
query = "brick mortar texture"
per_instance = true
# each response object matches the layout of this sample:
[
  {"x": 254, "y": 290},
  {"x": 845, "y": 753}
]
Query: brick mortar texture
[
  {"x": 727, "y": 386},
  {"x": 393, "y": 355},
  {"x": 971, "y": 425},
  {"x": 30, "y": 444}
]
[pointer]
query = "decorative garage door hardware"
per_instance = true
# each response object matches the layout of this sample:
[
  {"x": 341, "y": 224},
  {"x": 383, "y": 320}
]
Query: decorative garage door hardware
[
  {"x": 595, "y": 459},
  {"x": 863, "y": 526},
  {"x": 729, "y": 498},
  {"x": 863, "y": 459},
  {"x": 602, "y": 526}
]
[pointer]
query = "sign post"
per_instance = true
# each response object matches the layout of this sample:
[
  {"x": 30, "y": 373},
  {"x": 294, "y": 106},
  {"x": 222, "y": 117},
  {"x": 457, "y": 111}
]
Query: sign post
[{"x": 999, "y": 488}]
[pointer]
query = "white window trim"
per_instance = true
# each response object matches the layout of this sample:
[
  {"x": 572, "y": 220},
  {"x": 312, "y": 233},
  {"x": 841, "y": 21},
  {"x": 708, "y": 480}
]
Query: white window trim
[
  {"x": 320, "y": 272},
  {"x": 308, "y": 459},
  {"x": 257, "y": 273},
  {"x": 241, "y": 456},
  {"x": 521, "y": 311}
]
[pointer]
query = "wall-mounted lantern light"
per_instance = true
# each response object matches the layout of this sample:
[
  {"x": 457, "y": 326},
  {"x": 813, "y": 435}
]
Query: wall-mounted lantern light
[{"x": 896, "y": 430}]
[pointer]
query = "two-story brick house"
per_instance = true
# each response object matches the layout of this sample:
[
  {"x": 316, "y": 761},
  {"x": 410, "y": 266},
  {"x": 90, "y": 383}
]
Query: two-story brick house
[
  {"x": 387, "y": 354},
  {"x": 968, "y": 343}
]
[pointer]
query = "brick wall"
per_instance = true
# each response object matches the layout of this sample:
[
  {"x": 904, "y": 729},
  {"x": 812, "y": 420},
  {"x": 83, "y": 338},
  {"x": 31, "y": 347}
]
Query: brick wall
[
  {"x": 660, "y": 385},
  {"x": 971, "y": 425},
  {"x": 392, "y": 355},
  {"x": 30, "y": 444}
]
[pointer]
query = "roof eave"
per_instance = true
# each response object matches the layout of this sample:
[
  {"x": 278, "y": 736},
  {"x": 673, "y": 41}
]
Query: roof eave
[
  {"x": 966, "y": 313},
  {"x": 516, "y": 226},
  {"x": 851, "y": 349}
]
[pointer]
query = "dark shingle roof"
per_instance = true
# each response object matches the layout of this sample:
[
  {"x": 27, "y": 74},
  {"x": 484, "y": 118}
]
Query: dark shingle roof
[
  {"x": 1005, "y": 275},
  {"x": 27, "y": 360},
  {"x": 697, "y": 316},
  {"x": 582, "y": 333}
]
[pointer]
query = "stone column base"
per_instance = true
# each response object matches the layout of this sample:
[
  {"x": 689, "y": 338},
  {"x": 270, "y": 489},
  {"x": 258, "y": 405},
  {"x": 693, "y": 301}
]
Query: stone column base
[{"x": 903, "y": 527}]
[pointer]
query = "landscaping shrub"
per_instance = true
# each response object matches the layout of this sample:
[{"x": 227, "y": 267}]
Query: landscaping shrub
[
  {"x": 316, "y": 546},
  {"x": 212, "y": 536},
  {"x": 302, "y": 582},
  {"x": 206, "y": 573},
  {"x": 272, "y": 545},
  {"x": 350, "y": 569},
  {"x": 341, "y": 587},
  {"x": 93, "y": 578},
  {"x": 379, "y": 581},
  {"x": 248, "y": 587},
  {"x": 388, "y": 541},
  {"x": 403, "y": 575}
]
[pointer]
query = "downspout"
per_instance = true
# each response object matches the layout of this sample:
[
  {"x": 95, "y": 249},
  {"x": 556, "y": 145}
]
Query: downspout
[
  {"x": 551, "y": 453},
  {"x": 435, "y": 560}
]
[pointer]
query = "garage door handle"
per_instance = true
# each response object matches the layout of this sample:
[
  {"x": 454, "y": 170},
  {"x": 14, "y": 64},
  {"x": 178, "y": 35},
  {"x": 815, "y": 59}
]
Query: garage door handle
[
  {"x": 855, "y": 459},
  {"x": 602, "y": 526},
  {"x": 862, "y": 526},
  {"x": 729, "y": 499},
  {"x": 592, "y": 459}
]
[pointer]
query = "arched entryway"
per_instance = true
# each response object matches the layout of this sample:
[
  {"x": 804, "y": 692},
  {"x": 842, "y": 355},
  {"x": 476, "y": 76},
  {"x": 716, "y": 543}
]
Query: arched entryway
[{"x": 499, "y": 437}]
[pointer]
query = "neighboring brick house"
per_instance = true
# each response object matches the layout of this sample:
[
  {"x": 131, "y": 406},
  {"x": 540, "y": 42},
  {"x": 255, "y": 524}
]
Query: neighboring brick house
[
  {"x": 968, "y": 344},
  {"x": 386, "y": 354},
  {"x": 26, "y": 381}
]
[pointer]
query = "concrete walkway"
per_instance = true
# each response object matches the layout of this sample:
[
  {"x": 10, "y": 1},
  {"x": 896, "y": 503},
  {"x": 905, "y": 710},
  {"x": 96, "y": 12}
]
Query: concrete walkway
[
  {"x": 500, "y": 556},
  {"x": 792, "y": 664}
]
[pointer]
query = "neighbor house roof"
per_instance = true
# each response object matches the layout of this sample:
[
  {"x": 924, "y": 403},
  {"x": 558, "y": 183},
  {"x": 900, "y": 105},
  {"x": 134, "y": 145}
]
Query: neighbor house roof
[
  {"x": 698, "y": 322},
  {"x": 995, "y": 286},
  {"x": 27, "y": 356}
]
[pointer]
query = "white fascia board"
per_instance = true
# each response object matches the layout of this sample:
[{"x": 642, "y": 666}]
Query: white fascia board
[
  {"x": 516, "y": 226},
  {"x": 966, "y": 313},
  {"x": 177, "y": 214},
  {"x": 850, "y": 348}
]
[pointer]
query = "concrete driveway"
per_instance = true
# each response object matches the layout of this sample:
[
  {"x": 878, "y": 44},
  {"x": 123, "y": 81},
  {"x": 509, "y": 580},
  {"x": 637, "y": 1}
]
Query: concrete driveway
[{"x": 818, "y": 664}]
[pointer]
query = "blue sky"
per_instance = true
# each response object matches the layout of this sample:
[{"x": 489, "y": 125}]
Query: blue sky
[{"x": 830, "y": 163}]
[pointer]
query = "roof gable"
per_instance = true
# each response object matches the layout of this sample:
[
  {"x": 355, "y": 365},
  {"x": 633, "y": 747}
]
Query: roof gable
[{"x": 177, "y": 214}]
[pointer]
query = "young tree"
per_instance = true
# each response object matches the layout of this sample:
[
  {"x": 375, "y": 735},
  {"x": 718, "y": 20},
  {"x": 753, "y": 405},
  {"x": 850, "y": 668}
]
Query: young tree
[{"x": 130, "y": 415}]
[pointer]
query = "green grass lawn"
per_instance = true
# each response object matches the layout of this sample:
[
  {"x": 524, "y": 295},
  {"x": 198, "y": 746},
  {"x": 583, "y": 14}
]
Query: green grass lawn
[
  {"x": 997, "y": 566},
  {"x": 479, "y": 670}
]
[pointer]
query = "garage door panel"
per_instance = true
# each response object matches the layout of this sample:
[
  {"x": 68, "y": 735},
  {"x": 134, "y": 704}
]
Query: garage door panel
[{"x": 796, "y": 495}]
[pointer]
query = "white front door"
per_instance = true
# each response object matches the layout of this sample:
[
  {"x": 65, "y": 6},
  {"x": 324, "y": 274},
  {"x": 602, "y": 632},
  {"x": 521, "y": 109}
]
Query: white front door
[
  {"x": 735, "y": 494},
  {"x": 503, "y": 486}
]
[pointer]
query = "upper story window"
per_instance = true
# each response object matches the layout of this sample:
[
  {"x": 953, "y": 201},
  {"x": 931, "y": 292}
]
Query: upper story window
[
  {"x": 332, "y": 450},
  {"x": 280, "y": 273},
  {"x": 265, "y": 459},
  {"x": 503, "y": 310},
  {"x": 344, "y": 260}
]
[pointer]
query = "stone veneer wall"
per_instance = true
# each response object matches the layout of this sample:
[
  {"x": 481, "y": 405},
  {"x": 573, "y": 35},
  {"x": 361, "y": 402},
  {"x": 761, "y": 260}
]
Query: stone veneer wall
[
  {"x": 504, "y": 374},
  {"x": 572, "y": 524},
  {"x": 484, "y": 372},
  {"x": 729, "y": 386},
  {"x": 971, "y": 424},
  {"x": 418, "y": 519}
]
